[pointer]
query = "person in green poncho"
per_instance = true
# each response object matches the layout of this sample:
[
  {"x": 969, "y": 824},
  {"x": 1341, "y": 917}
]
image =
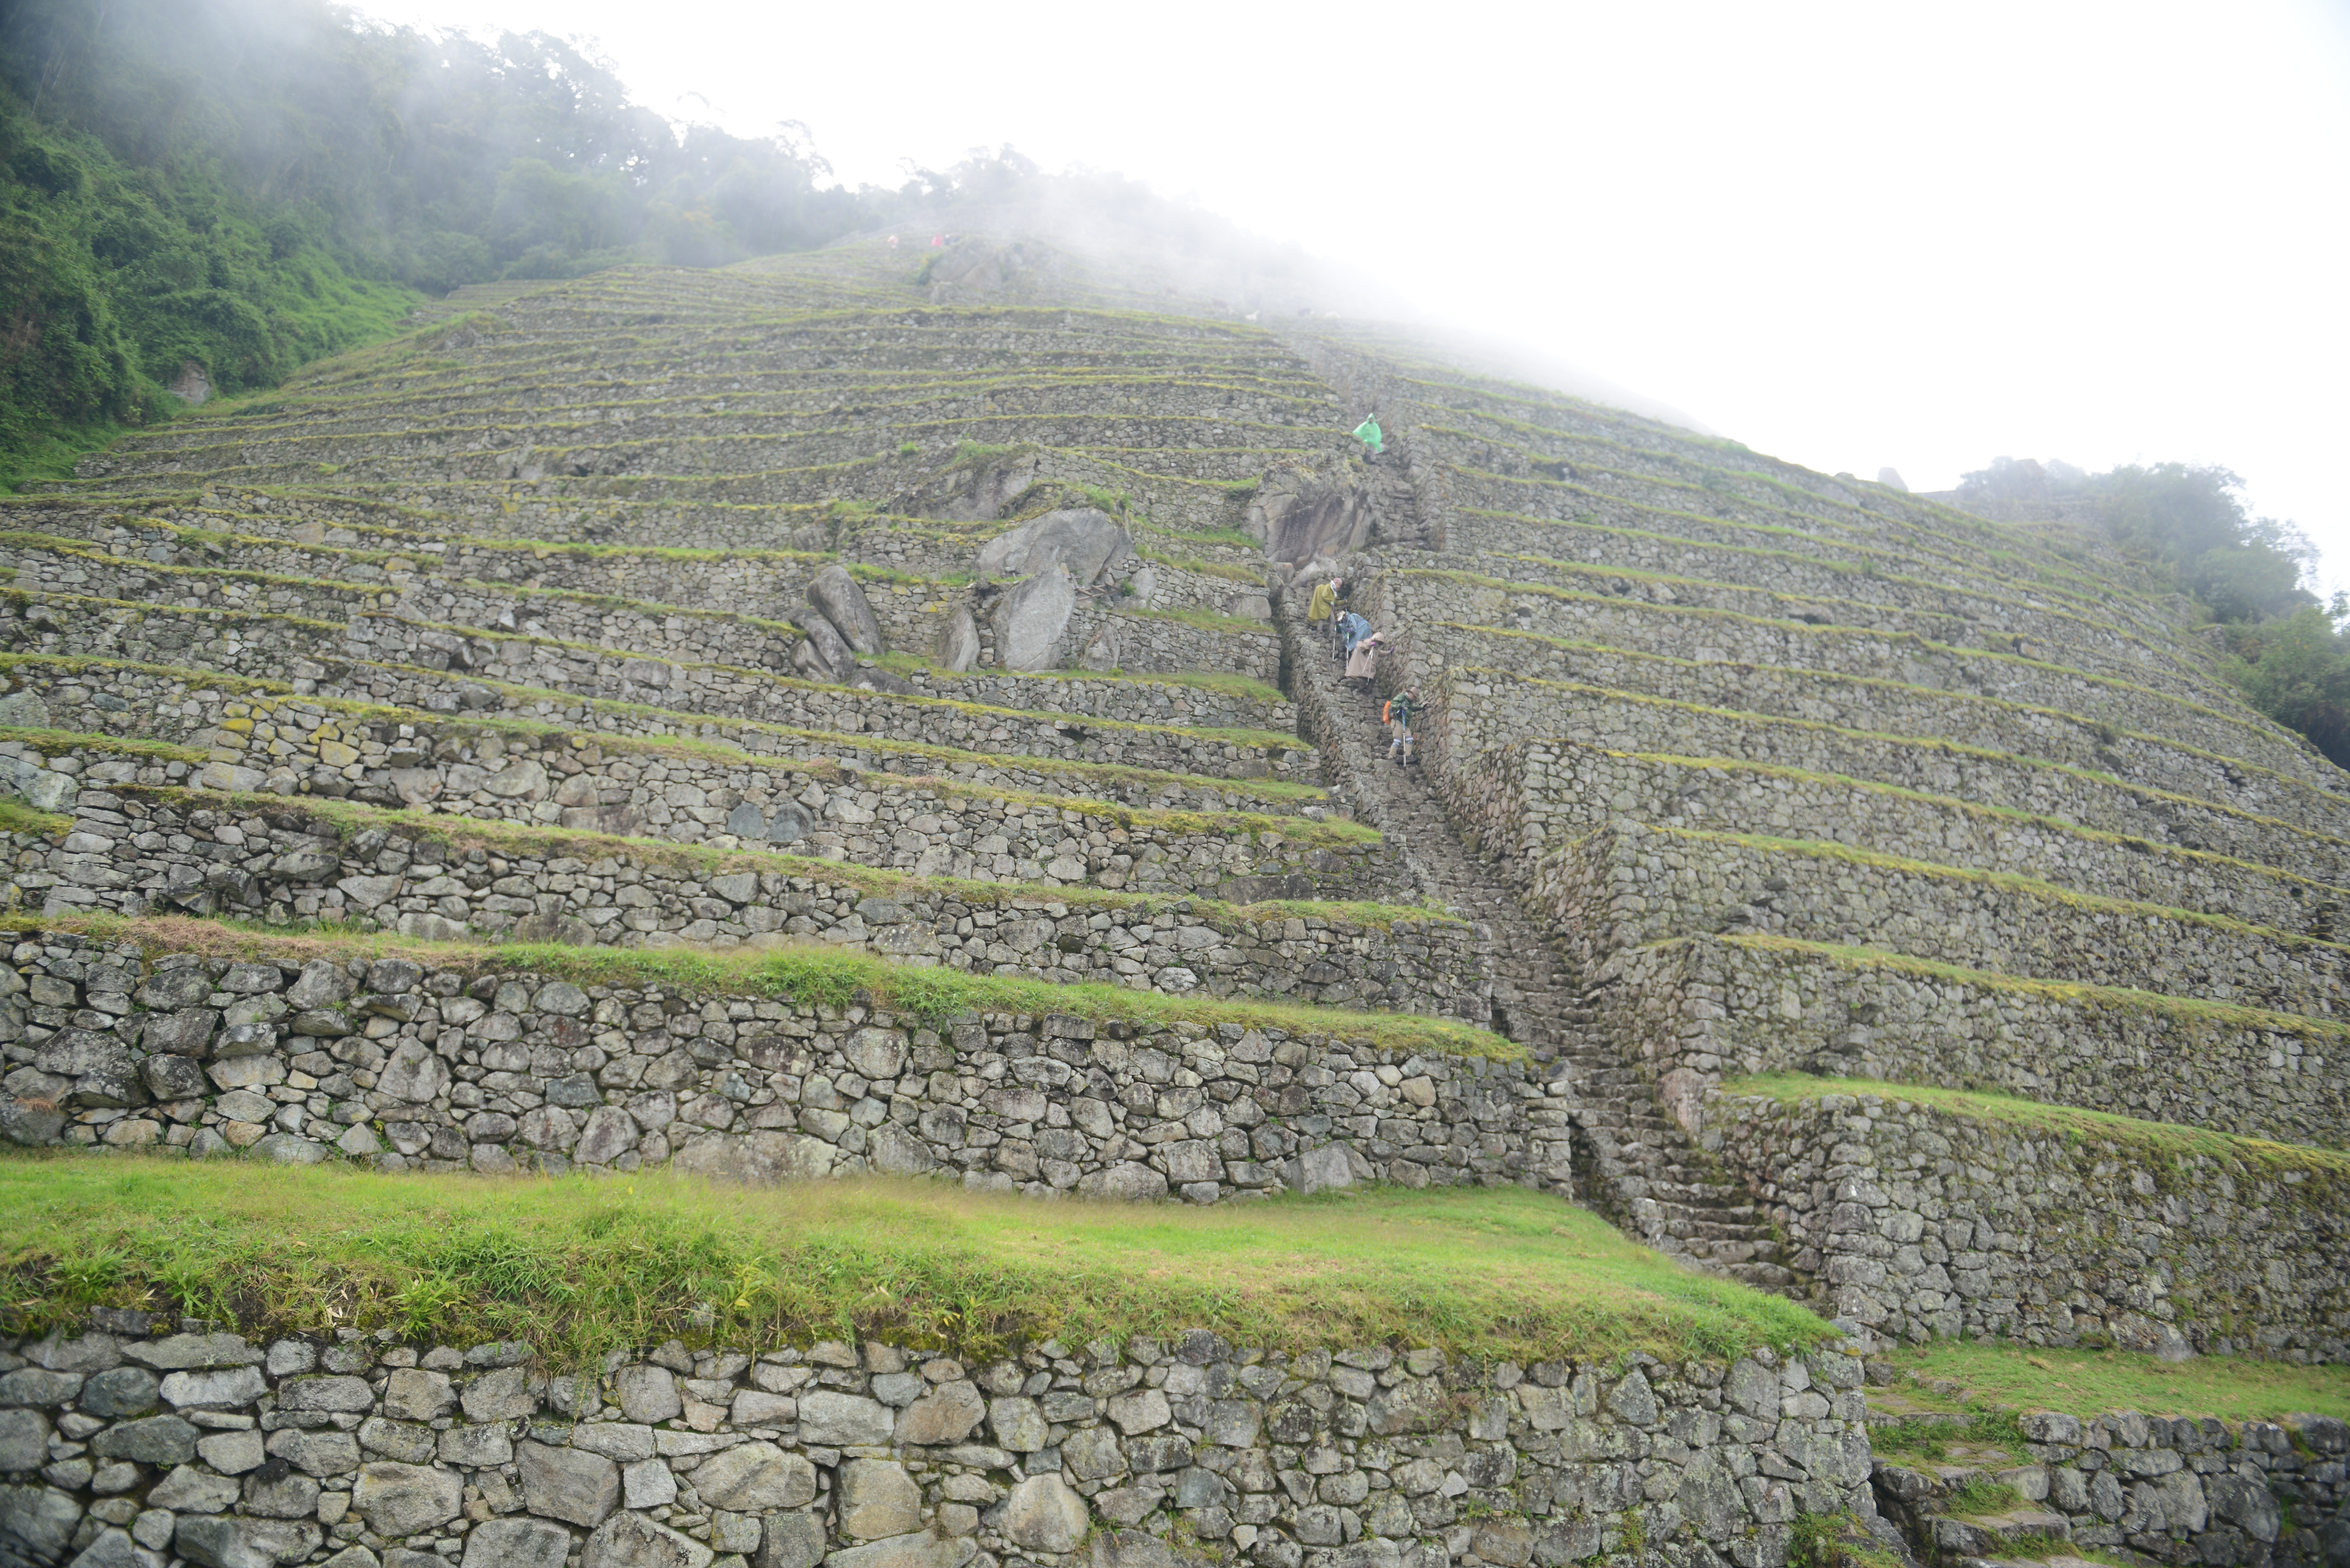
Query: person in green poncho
[{"x": 1367, "y": 432}]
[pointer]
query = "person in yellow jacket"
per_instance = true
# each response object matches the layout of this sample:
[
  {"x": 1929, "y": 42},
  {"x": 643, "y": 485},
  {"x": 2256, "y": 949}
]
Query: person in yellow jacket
[{"x": 1317, "y": 608}]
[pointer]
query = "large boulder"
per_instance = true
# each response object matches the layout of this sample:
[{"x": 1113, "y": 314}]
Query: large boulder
[
  {"x": 958, "y": 647},
  {"x": 1030, "y": 619},
  {"x": 1087, "y": 541},
  {"x": 759, "y": 1158},
  {"x": 823, "y": 653},
  {"x": 1043, "y": 1514},
  {"x": 841, "y": 599}
]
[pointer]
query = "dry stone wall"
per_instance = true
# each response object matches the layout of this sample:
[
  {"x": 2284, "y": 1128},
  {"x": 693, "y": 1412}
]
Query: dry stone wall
[
  {"x": 140, "y": 1442},
  {"x": 136, "y": 851},
  {"x": 448, "y": 670},
  {"x": 927, "y": 827},
  {"x": 408, "y": 1068},
  {"x": 1632, "y": 884},
  {"x": 2176, "y": 1490},
  {"x": 289, "y": 740},
  {"x": 1508, "y": 547},
  {"x": 1924, "y": 1222},
  {"x": 1521, "y": 795},
  {"x": 1561, "y": 592},
  {"x": 1790, "y": 653},
  {"x": 1596, "y": 698},
  {"x": 1693, "y": 1012},
  {"x": 1524, "y": 799}
]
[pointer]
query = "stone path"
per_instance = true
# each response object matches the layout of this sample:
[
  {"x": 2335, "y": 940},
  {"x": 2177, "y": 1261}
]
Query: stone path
[{"x": 1633, "y": 1162}]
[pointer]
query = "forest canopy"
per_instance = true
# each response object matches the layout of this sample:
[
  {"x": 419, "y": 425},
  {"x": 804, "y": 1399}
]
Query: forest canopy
[
  {"x": 241, "y": 186},
  {"x": 2189, "y": 525}
]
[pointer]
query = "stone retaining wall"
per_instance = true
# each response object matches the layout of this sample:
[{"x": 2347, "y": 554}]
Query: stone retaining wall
[
  {"x": 1923, "y": 1222},
  {"x": 926, "y": 827},
  {"x": 134, "y": 851},
  {"x": 285, "y": 742},
  {"x": 1787, "y": 653},
  {"x": 1559, "y": 589},
  {"x": 389, "y": 1063},
  {"x": 1503, "y": 514},
  {"x": 1107, "y": 1456},
  {"x": 1524, "y": 799},
  {"x": 1689, "y": 1013},
  {"x": 1594, "y": 697},
  {"x": 1630, "y": 884},
  {"x": 2177, "y": 1489},
  {"x": 1519, "y": 795},
  {"x": 428, "y": 668},
  {"x": 1790, "y": 565}
]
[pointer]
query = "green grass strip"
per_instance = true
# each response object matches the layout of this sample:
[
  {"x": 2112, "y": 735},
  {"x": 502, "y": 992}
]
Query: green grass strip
[
  {"x": 2164, "y": 1143},
  {"x": 580, "y": 1265}
]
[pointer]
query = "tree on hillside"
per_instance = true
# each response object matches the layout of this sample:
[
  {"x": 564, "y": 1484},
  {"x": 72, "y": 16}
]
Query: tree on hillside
[{"x": 2189, "y": 525}]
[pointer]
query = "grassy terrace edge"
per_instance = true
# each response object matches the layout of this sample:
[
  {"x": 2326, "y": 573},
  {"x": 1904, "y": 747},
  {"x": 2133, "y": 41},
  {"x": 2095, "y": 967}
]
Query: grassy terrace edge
[
  {"x": 2326, "y": 1170},
  {"x": 825, "y": 978},
  {"x": 578, "y": 1265}
]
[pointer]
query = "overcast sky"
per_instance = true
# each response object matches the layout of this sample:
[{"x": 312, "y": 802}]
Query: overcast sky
[{"x": 1908, "y": 234}]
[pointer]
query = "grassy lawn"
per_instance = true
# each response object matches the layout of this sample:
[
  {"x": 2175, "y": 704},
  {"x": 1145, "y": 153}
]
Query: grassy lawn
[
  {"x": 580, "y": 1265},
  {"x": 2087, "y": 1382}
]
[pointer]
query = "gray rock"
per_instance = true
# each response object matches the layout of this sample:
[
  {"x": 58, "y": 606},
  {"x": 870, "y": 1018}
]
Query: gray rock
[
  {"x": 160, "y": 1440},
  {"x": 115, "y": 1549},
  {"x": 947, "y": 1413},
  {"x": 321, "y": 1453},
  {"x": 334, "y": 1396},
  {"x": 756, "y": 1477},
  {"x": 321, "y": 983},
  {"x": 1319, "y": 1170},
  {"x": 647, "y": 1393},
  {"x": 188, "y": 1490},
  {"x": 24, "y": 1439},
  {"x": 410, "y": 1445},
  {"x": 1130, "y": 1549},
  {"x": 216, "y": 1542},
  {"x": 825, "y": 654},
  {"x": 633, "y": 1541},
  {"x": 836, "y": 1420},
  {"x": 501, "y": 1395},
  {"x": 1031, "y": 618},
  {"x": 790, "y": 1540},
  {"x": 1044, "y": 1515},
  {"x": 1018, "y": 1425},
  {"x": 414, "y": 1073},
  {"x": 231, "y": 1453},
  {"x": 285, "y": 1148},
  {"x": 43, "y": 1519},
  {"x": 24, "y": 710},
  {"x": 610, "y": 1132},
  {"x": 407, "y": 1500},
  {"x": 268, "y": 1495},
  {"x": 1086, "y": 542},
  {"x": 841, "y": 600},
  {"x": 923, "y": 1551},
  {"x": 1128, "y": 1181},
  {"x": 124, "y": 1391},
  {"x": 623, "y": 1441},
  {"x": 186, "y": 1033},
  {"x": 1634, "y": 1400},
  {"x": 958, "y": 645},
  {"x": 759, "y": 1158},
  {"x": 876, "y": 1500},
  {"x": 517, "y": 1543},
  {"x": 221, "y": 1389},
  {"x": 568, "y": 1484}
]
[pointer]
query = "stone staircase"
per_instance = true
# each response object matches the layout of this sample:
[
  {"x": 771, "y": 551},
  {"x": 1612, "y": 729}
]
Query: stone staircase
[{"x": 1633, "y": 1162}]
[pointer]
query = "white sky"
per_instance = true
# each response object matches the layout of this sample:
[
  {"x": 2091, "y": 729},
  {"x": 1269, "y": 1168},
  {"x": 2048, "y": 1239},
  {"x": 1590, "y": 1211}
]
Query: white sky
[{"x": 1852, "y": 236}]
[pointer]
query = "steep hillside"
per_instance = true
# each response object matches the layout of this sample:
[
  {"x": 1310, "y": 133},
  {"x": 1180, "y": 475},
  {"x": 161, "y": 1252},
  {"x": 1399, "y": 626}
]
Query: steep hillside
[{"x": 855, "y": 713}]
